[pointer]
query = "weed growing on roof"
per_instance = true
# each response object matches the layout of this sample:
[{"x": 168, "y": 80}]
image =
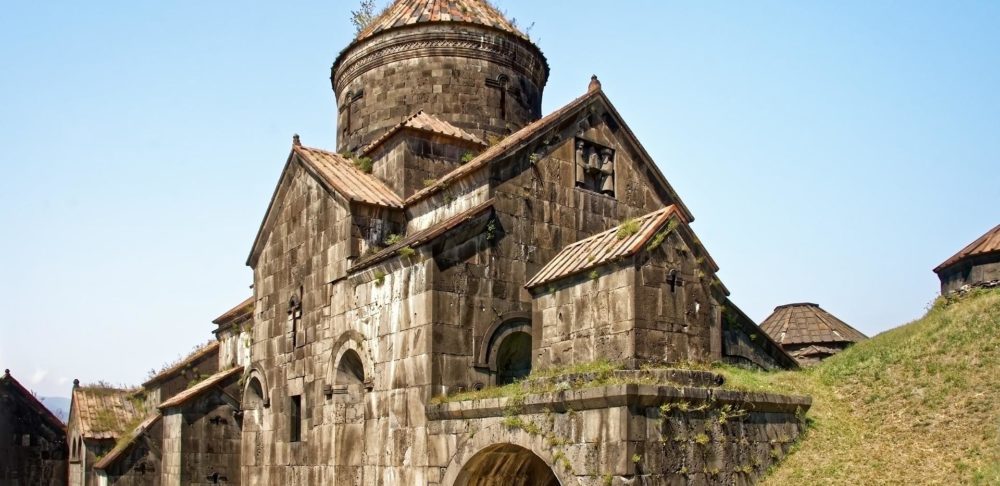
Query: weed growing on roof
[
  {"x": 393, "y": 239},
  {"x": 594, "y": 275},
  {"x": 365, "y": 14},
  {"x": 429, "y": 182},
  {"x": 636, "y": 458},
  {"x": 379, "y": 278},
  {"x": 364, "y": 164},
  {"x": 468, "y": 157},
  {"x": 628, "y": 228},
  {"x": 407, "y": 251}
]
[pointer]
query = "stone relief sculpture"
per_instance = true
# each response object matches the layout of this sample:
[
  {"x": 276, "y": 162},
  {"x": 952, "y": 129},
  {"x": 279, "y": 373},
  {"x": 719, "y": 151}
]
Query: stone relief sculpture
[{"x": 595, "y": 167}]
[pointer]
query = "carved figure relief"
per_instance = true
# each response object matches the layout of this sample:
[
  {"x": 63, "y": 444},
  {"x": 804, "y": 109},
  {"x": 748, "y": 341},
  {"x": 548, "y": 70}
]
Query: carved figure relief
[{"x": 595, "y": 167}]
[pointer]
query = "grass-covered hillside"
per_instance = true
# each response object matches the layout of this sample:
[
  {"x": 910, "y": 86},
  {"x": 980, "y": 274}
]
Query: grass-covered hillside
[{"x": 916, "y": 405}]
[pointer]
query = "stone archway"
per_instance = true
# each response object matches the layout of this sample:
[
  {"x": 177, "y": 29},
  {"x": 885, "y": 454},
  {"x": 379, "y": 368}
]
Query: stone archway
[{"x": 506, "y": 465}]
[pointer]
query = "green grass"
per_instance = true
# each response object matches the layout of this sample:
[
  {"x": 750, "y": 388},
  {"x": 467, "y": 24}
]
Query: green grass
[{"x": 919, "y": 404}]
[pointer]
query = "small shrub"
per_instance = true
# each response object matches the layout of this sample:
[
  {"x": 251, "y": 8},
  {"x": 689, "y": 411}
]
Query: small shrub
[
  {"x": 407, "y": 252},
  {"x": 364, "y": 164},
  {"x": 636, "y": 458},
  {"x": 379, "y": 277},
  {"x": 429, "y": 182},
  {"x": 628, "y": 228},
  {"x": 594, "y": 275},
  {"x": 468, "y": 157},
  {"x": 393, "y": 239}
]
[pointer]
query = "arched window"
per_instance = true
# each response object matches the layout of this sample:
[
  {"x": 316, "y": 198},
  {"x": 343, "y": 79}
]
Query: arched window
[
  {"x": 350, "y": 370},
  {"x": 514, "y": 358}
]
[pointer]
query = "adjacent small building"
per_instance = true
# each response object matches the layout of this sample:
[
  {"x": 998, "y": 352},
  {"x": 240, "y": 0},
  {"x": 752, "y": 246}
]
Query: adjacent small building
[
  {"x": 99, "y": 416},
  {"x": 32, "y": 439},
  {"x": 809, "y": 333},
  {"x": 976, "y": 265}
]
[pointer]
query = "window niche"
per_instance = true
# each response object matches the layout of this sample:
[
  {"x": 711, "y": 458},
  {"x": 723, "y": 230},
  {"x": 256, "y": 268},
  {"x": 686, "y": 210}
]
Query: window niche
[
  {"x": 595, "y": 167},
  {"x": 295, "y": 328},
  {"x": 295, "y": 419}
]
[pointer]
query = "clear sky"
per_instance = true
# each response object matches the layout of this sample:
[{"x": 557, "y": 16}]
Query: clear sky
[{"x": 831, "y": 152}]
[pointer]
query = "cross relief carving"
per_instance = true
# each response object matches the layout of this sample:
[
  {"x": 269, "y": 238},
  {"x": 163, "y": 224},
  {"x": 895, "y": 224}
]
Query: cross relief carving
[{"x": 595, "y": 167}]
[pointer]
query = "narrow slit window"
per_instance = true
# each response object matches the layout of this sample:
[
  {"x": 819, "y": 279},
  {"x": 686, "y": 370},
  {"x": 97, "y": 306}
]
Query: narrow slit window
[{"x": 295, "y": 419}]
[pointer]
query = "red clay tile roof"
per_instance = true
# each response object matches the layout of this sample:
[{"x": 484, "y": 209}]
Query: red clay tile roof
[
  {"x": 105, "y": 413},
  {"x": 409, "y": 12},
  {"x": 173, "y": 370},
  {"x": 126, "y": 442},
  {"x": 503, "y": 148},
  {"x": 39, "y": 407},
  {"x": 427, "y": 123},
  {"x": 988, "y": 243},
  {"x": 346, "y": 179},
  {"x": 242, "y": 310},
  {"x": 205, "y": 385},
  {"x": 423, "y": 237},
  {"x": 603, "y": 248},
  {"x": 808, "y": 324}
]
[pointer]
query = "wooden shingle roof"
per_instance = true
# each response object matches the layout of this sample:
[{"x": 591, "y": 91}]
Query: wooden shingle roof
[
  {"x": 203, "y": 386},
  {"x": 426, "y": 123},
  {"x": 604, "y": 248},
  {"x": 105, "y": 413},
  {"x": 240, "y": 311},
  {"x": 342, "y": 176},
  {"x": 408, "y": 12},
  {"x": 201, "y": 353},
  {"x": 988, "y": 243},
  {"x": 808, "y": 323},
  {"x": 124, "y": 445}
]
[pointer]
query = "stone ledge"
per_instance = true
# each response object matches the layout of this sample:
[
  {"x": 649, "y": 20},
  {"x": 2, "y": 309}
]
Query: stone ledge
[{"x": 629, "y": 395}]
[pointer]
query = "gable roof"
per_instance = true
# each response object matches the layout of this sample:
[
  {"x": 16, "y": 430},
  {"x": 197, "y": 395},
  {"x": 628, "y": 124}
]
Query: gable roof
[
  {"x": 172, "y": 371},
  {"x": 203, "y": 386},
  {"x": 603, "y": 248},
  {"x": 539, "y": 128},
  {"x": 240, "y": 311},
  {"x": 32, "y": 402},
  {"x": 424, "y": 236},
  {"x": 988, "y": 243},
  {"x": 337, "y": 175},
  {"x": 766, "y": 343},
  {"x": 342, "y": 176},
  {"x": 409, "y": 12},
  {"x": 427, "y": 123},
  {"x": 104, "y": 413},
  {"x": 126, "y": 442},
  {"x": 808, "y": 323}
]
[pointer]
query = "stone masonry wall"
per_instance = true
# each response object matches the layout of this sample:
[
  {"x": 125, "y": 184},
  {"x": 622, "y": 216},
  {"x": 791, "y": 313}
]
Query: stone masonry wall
[
  {"x": 32, "y": 452},
  {"x": 443, "y": 70},
  {"x": 976, "y": 270},
  {"x": 142, "y": 464}
]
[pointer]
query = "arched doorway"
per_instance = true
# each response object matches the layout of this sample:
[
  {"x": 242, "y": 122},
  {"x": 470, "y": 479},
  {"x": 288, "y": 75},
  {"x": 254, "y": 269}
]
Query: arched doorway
[
  {"x": 350, "y": 369},
  {"x": 506, "y": 465},
  {"x": 514, "y": 358}
]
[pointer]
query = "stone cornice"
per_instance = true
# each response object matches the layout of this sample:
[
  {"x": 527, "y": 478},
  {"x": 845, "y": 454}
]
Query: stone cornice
[{"x": 431, "y": 41}]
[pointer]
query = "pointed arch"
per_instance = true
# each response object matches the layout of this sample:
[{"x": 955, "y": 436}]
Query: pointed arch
[{"x": 255, "y": 391}]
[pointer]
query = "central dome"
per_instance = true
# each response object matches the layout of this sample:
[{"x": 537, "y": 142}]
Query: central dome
[{"x": 459, "y": 60}]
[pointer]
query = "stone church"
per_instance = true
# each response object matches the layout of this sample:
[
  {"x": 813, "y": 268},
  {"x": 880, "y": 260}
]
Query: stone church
[
  {"x": 454, "y": 241},
  {"x": 461, "y": 292}
]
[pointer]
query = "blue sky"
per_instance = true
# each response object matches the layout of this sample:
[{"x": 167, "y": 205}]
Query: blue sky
[{"x": 831, "y": 152}]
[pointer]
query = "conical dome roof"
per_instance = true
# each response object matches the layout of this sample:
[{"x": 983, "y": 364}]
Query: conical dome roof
[
  {"x": 808, "y": 323},
  {"x": 409, "y": 12}
]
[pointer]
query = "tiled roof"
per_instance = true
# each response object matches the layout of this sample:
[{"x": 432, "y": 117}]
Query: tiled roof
[
  {"x": 768, "y": 344},
  {"x": 427, "y": 123},
  {"x": 603, "y": 248},
  {"x": 349, "y": 181},
  {"x": 988, "y": 243},
  {"x": 423, "y": 237},
  {"x": 808, "y": 324},
  {"x": 182, "y": 397},
  {"x": 173, "y": 370},
  {"x": 242, "y": 310},
  {"x": 409, "y": 12},
  {"x": 32, "y": 402},
  {"x": 123, "y": 445},
  {"x": 105, "y": 413},
  {"x": 503, "y": 148}
]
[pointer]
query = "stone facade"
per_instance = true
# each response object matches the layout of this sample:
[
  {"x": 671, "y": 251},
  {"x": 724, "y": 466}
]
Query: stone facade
[
  {"x": 371, "y": 303},
  {"x": 33, "y": 448}
]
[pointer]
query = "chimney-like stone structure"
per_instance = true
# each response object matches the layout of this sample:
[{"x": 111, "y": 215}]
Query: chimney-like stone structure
[{"x": 459, "y": 60}]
